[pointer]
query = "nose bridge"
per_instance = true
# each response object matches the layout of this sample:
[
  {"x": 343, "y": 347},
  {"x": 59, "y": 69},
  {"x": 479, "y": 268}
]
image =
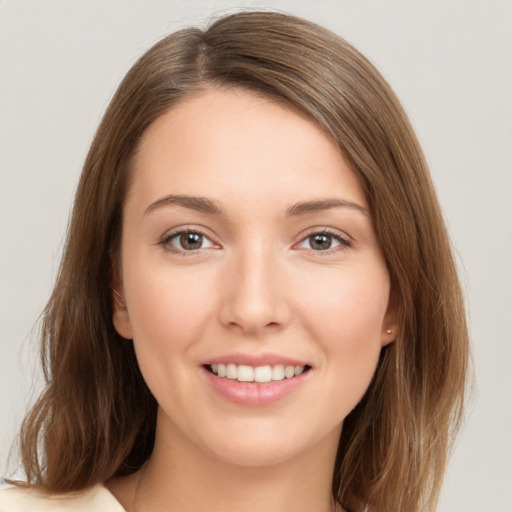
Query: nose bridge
[{"x": 254, "y": 297}]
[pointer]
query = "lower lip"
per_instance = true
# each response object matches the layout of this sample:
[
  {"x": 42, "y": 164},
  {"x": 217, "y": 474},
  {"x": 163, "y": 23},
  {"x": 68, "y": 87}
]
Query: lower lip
[{"x": 254, "y": 393}]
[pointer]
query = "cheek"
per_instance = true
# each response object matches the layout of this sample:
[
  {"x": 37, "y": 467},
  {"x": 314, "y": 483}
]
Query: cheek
[
  {"x": 347, "y": 315},
  {"x": 168, "y": 312},
  {"x": 349, "y": 303},
  {"x": 167, "y": 308}
]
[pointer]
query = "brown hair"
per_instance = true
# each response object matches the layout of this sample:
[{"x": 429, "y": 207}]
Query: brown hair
[{"x": 96, "y": 417}]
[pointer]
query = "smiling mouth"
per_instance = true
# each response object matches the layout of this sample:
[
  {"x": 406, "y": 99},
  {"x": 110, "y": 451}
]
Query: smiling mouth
[{"x": 257, "y": 374}]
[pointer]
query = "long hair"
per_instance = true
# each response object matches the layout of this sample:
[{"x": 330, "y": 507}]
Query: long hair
[{"x": 96, "y": 418}]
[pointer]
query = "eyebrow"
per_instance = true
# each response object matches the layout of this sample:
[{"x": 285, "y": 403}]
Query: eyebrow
[
  {"x": 204, "y": 205},
  {"x": 200, "y": 204},
  {"x": 319, "y": 205}
]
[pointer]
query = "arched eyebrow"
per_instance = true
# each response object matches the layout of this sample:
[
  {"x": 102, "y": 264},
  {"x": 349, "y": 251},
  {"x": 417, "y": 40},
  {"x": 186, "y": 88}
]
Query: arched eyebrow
[
  {"x": 317, "y": 205},
  {"x": 200, "y": 204},
  {"x": 204, "y": 205}
]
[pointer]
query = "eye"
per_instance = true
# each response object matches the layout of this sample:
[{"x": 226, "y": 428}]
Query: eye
[
  {"x": 187, "y": 241},
  {"x": 323, "y": 241}
]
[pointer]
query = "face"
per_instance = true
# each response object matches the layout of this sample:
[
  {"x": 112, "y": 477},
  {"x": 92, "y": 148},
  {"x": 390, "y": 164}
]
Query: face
[{"x": 251, "y": 279}]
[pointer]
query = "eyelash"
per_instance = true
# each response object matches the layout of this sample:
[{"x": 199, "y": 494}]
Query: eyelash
[
  {"x": 165, "y": 241},
  {"x": 343, "y": 241}
]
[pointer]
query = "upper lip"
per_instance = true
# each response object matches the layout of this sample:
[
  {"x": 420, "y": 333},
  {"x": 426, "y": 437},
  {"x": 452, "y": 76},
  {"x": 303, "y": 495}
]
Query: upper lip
[{"x": 257, "y": 359}]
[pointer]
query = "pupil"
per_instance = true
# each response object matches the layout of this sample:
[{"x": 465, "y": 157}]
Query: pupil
[
  {"x": 321, "y": 242},
  {"x": 191, "y": 241}
]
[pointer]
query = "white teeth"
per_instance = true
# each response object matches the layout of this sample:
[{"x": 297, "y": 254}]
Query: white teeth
[
  {"x": 289, "y": 371},
  {"x": 263, "y": 374},
  {"x": 231, "y": 371},
  {"x": 278, "y": 372},
  {"x": 245, "y": 373}
]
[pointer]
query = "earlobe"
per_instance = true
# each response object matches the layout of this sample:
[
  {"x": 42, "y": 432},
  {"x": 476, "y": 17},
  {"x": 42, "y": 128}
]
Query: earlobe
[
  {"x": 390, "y": 324},
  {"x": 120, "y": 316},
  {"x": 389, "y": 334}
]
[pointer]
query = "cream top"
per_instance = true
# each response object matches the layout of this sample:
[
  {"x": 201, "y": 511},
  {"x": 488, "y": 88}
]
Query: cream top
[{"x": 96, "y": 499}]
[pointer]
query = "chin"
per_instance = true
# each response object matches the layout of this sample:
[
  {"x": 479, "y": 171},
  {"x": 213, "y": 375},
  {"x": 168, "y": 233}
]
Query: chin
[
  {"x": 266, "y": 446},
  {"x": 254, "y": 456}
]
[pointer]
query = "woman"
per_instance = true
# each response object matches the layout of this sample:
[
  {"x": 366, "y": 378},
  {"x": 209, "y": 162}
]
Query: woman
[{"x": 257, "y": 305}]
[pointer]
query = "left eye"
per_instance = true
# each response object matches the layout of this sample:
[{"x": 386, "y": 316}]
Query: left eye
[
  {"x": 189, "y": 241},
  {"x": 321, "y": 242}
]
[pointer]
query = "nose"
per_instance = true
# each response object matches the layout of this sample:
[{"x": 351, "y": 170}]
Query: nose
[{"x": 253, "y": 294}]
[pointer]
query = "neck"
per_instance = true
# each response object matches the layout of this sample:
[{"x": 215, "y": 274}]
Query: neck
[{"x": 181, "y": 477}]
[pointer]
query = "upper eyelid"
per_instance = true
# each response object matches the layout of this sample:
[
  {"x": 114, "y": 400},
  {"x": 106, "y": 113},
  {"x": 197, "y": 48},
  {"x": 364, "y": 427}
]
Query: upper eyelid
[
  {"x": 186, "y": 229},
  {"x": 327, "y": 230}
]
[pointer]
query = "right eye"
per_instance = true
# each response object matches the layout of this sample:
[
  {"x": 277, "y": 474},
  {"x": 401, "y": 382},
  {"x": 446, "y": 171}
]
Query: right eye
[{"x": 186, "y": 241}]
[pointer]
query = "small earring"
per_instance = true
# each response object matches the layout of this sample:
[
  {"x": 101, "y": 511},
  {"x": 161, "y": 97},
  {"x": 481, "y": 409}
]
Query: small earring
[{"x": 389, "y": 331}]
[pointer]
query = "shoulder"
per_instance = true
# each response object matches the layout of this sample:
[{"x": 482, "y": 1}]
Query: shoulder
[{"x": 26, "y": 499}]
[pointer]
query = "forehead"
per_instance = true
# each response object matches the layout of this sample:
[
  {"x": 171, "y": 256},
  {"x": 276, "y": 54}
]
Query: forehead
[{"x": 235, "y": 143}]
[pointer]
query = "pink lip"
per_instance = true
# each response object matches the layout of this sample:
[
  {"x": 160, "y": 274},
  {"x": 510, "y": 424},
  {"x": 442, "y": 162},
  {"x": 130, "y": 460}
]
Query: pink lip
[
  {"x": 254, "y": 394},
  {"x": 260, "y": 359}
]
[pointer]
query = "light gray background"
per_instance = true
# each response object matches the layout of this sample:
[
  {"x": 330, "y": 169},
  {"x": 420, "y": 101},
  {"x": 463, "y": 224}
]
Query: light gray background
[{"x": 450, "y": 64}]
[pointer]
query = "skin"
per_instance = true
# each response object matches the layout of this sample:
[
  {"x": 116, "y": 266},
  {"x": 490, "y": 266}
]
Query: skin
[{"x": 258, "y": 281}]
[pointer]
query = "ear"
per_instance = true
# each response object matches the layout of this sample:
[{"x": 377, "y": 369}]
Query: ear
[
  {"x": 390, "y": 324},
  {"x": 120, "y": 316}
]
